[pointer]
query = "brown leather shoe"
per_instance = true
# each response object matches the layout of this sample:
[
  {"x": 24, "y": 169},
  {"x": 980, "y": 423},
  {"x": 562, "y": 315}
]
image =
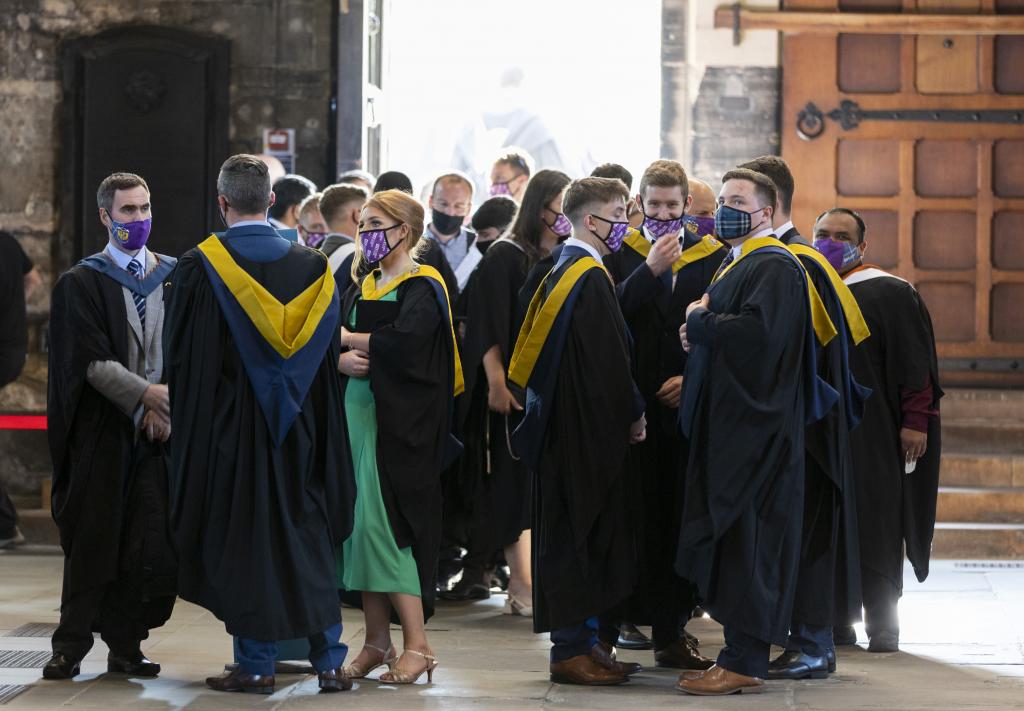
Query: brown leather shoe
[
  {"x": 238, "y": 680},
  {"x": 333, "y": 680},
  {"x": 718, "y": 681},
  {"x": 584, "y": 670},
  {"x": 680, "y": 655},
  {"x": 604, "y": 654},
  {"x": 692, "y": 674}
]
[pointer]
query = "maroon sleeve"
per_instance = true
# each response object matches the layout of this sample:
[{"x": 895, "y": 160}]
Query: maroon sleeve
[{"x": 917, "y": 407}]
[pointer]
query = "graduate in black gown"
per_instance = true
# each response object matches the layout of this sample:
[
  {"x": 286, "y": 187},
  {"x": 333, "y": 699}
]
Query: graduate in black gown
[
  {"x": 262, "y": 487},
  {"x": 659, "y": 271},
  {"x": 896, "y": 449},
  {"x": 109, "y": 419},
  {"x": 582, "y": 412},
  {"x": 828, "y": 583},
  {"x": 749, "y": 391},
  {"x": 402, "y": 372},
  {"x": 496, "y": 481}
]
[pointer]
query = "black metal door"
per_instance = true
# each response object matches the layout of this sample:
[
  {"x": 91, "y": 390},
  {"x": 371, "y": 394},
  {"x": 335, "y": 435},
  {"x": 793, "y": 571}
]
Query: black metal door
[{"x": 152, "y": 101}]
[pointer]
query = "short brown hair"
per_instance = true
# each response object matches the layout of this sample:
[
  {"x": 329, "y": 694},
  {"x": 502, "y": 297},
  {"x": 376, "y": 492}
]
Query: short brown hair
[
  {"x": 587, "y": 191},
  {"x": 665, "y": 174},
  {"x": 453, "y": 177},
  {"x": 336, "y": 198},
  {"x": 779, "y": 173},
  {"x": 517, "y": 159},
  {"x": 114, "y": 182},
  {"x": 764, "y": 188}
]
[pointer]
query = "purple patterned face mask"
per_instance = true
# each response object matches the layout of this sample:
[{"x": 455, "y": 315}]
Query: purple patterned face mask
[
  {"x": 500, "y": 189},
  {"x": 375, "y": 244},
  {"x": 700, "y": 226},
  {"x": 131, "y": 235},
  {"x": 561, "y": 226},
  {"x": 839, "y": 254},
  {"x": 659, "y": 228},
  {"x": 315, "y": 239},
  {"x": 616, "y": 233}
]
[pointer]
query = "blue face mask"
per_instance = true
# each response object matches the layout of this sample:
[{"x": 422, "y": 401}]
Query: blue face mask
[{"x": 731, "y": 223}]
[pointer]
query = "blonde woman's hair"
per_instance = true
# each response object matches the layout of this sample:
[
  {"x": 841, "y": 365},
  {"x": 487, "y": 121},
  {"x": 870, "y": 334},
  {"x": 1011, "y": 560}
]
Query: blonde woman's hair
[{"x": 402, "y": 208}]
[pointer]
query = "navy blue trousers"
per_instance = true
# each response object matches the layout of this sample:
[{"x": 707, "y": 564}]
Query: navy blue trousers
[
  {"x": 574, "y": 640},
  {"x": 326, "y": 652},
  {"x": 815, "y": 640},
  {"x": 744, "y": 654}
]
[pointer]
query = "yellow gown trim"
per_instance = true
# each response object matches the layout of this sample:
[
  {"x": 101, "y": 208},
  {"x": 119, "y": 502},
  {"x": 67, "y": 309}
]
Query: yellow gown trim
[
  {"x": 707, "y": 246},
  {"x": 286, "y": 327},
  {"x": 854, "y": 318},
  {"x": 371, "y": 292},
  {"x": 823, "y": 326},
  {"x": 540, "y": 317}
]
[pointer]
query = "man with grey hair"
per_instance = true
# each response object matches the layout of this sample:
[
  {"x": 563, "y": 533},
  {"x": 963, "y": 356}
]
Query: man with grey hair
[
  {"x": 261, "y": 480},
  {"x": 109, "y": 417}
]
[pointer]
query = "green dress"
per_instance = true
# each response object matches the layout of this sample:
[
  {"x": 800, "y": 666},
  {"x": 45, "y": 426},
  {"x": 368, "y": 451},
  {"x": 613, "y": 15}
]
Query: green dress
[{"x": 369, "y": 560}]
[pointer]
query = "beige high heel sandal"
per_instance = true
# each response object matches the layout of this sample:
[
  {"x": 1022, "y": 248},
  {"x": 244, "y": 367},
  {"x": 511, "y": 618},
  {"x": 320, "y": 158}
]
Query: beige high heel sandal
[
  {"x": 388, "y": 658},
  {"x": 397, "y": 677}
]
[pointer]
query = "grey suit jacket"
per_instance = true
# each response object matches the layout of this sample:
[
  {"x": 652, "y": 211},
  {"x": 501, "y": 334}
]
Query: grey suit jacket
[{"x": 122, "y": 385}]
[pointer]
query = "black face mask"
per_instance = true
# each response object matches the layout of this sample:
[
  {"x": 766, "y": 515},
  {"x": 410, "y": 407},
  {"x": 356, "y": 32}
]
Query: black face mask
[
  {"x": 484, "y": 246},
  {"x": 444, "y": 223}
]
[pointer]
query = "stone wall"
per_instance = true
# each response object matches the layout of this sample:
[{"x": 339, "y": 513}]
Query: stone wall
[
  {"x": 280, "y": 77},
  {"x": 735, "y": 118}
]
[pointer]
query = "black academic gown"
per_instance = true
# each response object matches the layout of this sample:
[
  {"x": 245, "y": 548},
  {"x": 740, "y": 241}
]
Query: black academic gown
[
  {"x": 493, "y": 318},
  {"x": 894, "y": 507},
  {"x": 256, "y": 523},
  {"x": 743, "y": 411},
  {"x": 96, "y": 458},
  {"x": 828, "y": 588},
  {"x": 585, "y": 534},
  {"x": 412, "y": 378},
  {"x": 654, "y": 311}
]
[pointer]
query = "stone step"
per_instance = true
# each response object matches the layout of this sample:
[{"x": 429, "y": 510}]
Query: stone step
[
  {"x": 978, "y": 541},
  {"x": 981, "y": 470},
  {"x": 982, "y": 505},
  {"x": 980, "y": 435},
  {"x": 972, "y": 403},
  {"x": 38, "y": 527}
]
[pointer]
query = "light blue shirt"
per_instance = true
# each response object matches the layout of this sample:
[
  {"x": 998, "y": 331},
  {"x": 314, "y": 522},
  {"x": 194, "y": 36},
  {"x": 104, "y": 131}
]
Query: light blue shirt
[
  {"x": 455, "y": 249},
  {"x": 123, "y": 260}
]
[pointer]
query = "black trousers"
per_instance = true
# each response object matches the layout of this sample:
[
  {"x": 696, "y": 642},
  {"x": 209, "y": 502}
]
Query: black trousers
[
  {"x": 119, "y": 617},
  {"x": 881, "y": 600},
  {"x": 8, "y": 516}
]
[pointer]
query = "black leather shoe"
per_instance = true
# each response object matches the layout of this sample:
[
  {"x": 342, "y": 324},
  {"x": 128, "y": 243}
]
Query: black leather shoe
[
  {"x": 681, "y": 655},
  {"x": 632, "y": 638},
  {"x": 884, "y": 642},
  {"x": 845, "y": 636},
  {"x": 333, "y": 680},
  {"x": 830, "y": 655},
  {"x": 797, "y": 665},
  {"x": 468, "y": 588},
  {"x": 134, "y": 664},
  {"x": 60, "y": 667},
  {"x": 240, "y": 681}
]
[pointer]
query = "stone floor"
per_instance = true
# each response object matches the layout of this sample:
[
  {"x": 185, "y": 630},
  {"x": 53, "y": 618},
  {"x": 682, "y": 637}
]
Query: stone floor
[{"x": 963, "y": 648}]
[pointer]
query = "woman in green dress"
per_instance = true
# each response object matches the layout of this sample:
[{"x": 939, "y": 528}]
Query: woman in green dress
[{"x": 402, "y": 372}]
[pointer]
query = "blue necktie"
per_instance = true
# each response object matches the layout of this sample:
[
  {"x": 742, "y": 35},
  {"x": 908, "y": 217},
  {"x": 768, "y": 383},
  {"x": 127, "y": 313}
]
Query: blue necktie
[{"x": 135, "y": 269}]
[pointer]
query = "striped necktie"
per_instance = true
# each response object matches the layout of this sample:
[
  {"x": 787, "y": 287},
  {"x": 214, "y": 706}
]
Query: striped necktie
[{"x": 135, "y": 269}]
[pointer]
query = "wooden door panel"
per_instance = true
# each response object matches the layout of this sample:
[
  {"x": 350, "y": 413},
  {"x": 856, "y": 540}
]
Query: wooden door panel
[{"x": 943, "y": 201}]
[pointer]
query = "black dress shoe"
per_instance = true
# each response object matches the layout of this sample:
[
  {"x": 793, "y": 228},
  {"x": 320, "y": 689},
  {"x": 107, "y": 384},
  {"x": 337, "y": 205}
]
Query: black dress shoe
[
  {"x": 682, "y": 655},
  {"x": 797, "y": 665},
  {"x": 134, "y": 664},
  {"x": 240, "y": 681},
  {"x": 333, "y": 680},
  {"x": 468, "y": 588},
  {"x": 632, "y": 638},
  {"x": 884, "y": 642},
  {"x": 830, "y": 655},
  {"x": 60, "y": 667}
]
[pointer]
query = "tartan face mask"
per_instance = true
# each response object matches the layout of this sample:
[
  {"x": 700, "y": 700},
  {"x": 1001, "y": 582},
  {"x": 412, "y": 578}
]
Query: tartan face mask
[{"x": 731, "y": 223}]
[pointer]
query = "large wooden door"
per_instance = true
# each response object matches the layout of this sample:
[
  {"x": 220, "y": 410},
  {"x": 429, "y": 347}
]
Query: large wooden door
[{"x": 943, "y": 200}]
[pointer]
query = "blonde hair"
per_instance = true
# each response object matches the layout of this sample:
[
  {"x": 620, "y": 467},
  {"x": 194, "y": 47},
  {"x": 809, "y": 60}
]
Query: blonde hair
[{"x": 402, "y": 208}]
